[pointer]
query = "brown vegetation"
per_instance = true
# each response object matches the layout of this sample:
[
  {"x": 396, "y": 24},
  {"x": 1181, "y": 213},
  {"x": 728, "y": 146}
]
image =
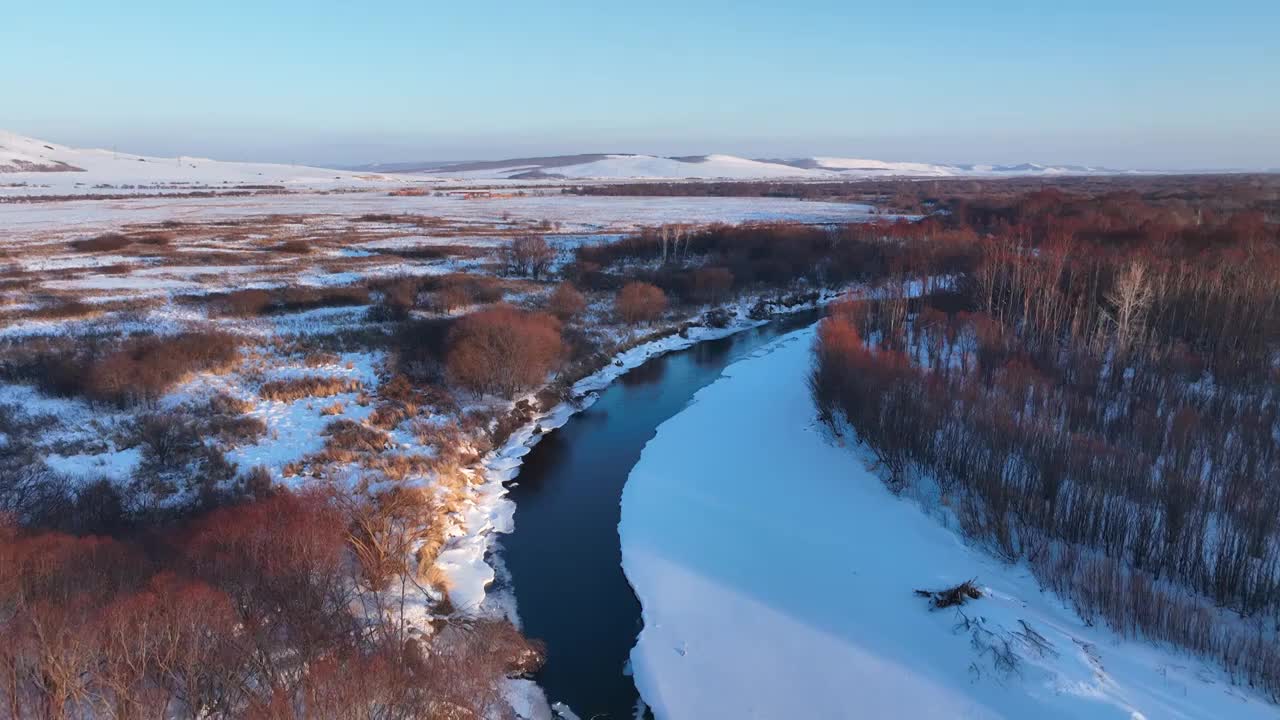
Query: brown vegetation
[
  {"x": 136, "y": 370},
  {"x": 307, "y": 386},
  {"x": 293, "y": 247},
  {"x": 246, "y": 612},
  {"x": 640, "y": 302},
  {"x": 106, "y": 242},
  {"x": 529, "y": 255},
  {"x": 504, "y": 350},
  {"x": 253, "y": 302},
  {"x": 566, "y": 302}
]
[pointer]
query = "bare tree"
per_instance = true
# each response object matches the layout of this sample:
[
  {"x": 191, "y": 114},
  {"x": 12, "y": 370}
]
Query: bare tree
[
  {"x": 529, "y": 255},
  {"x": 1130, "y": 297}
]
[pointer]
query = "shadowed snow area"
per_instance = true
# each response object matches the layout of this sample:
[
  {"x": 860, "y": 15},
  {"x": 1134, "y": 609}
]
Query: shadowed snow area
[{"x": 776, "y": 575}]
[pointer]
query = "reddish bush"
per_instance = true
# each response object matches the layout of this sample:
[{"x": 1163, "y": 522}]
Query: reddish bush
[
  {"x": 713, "y": 284},
  {"x": 252, "y": 302},
  {"x": 106, "y": 242},
  {"x": 246, "y": 303},
  {"x": 143, "y": 369},
  {"x": 249, "y": 611},
  {"x": 293, "y": 247},
  {"x": 504, "y": 350},
  {"x": 566, "y": 302},
  {"x": 62, "y": 309},
  {"x": 640, "y": 302},
  {"x": 400, "y": 295}
]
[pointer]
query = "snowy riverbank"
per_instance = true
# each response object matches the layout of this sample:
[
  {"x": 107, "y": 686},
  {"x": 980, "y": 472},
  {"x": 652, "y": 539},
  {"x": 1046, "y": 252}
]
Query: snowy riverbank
[
  {"x": 472, "y": 562},
  {"x": 465, "y": 561},
  {"x": 776, "y": 575}
]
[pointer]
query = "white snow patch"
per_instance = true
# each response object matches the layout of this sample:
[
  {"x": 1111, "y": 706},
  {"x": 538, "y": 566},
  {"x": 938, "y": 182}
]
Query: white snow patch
[{"x": 776, "y": 575}]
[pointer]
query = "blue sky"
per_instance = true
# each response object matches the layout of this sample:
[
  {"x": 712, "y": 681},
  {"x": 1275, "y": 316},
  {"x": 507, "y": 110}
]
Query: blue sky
[{"x": 1127, "y": 84}]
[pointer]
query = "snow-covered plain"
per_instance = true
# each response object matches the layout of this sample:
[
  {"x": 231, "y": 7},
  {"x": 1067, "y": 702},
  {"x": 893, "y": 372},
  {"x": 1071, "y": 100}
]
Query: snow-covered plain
[
  {"x": 776, "y": 575},
  {"x": 574, "y": 214}
]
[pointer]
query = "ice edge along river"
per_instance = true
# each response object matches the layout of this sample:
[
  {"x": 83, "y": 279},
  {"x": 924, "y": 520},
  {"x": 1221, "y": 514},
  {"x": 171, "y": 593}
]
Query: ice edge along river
[
  {"x": 776, "y": 573},
  {"x": 471, "y": 561}
]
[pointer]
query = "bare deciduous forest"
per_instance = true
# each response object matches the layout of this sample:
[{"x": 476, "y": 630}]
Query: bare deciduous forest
[{"x": 1088, "y": 383}]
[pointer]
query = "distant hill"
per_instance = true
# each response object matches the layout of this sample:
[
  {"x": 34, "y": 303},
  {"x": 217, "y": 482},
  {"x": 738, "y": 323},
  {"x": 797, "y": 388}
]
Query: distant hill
[
  {"x": 714, "y": 167},
  {"x": 57, "y": 168},
  {"x": 61, "y": 169}
]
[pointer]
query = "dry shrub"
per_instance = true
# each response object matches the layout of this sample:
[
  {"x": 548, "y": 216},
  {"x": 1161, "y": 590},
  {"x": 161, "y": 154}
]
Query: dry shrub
[
  {"x": 176, "y": 460},
  {"x": 143, "y": 369},
  {"x": 334, "y": 409},
  {"x": 294, "y": 247},
  {"x": 307, "y": 386},
  {"x": 529, "y": 255},
  {"x": 252, "y": 302},
  {"x": 246, "y": 303},
  {"x": 397, "y": 467},
  {"x": 296, "y": 299},
  {"x": 155, "y": 239},
  {"x": 566, "y": 302},
  {"x": 384, "y": 531},
  {"x": 224, "y": 404},
  {"x": 351, "y": 436},
  {"x": 237, "y": 429},
  {"x": 387, "y": 415},
  {"x": 504, "y": 350},
  {"x": 449, "y": 441},
  {"x": 481, "y": 288},
  {"x": 320, "y": 359},
  {"x": 398, "y": 297},
  {"x": 397, "y": 388},
  {"x": 401, "y": 292},
  {"x": 64, "y": 309},
  {"x": 451, "y": 299},
  {"x": 712, "y": 284},
  {"x": 640, "y": 302},
  {"x": 106, "y": 242}
]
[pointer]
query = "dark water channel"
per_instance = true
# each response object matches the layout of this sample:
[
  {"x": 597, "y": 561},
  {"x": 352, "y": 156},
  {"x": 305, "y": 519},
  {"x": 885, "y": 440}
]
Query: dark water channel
[{"x": 564, "y": 556}]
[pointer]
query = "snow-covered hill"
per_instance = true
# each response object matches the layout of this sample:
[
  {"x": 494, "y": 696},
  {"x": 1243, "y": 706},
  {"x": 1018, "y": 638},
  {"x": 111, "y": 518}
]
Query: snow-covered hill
[
  {"x": 33, "y": 163},
  {"x": 729, "y": 167}
]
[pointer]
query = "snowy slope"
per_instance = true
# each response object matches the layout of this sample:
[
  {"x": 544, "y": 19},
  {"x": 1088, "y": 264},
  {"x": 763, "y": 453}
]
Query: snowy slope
[
  {"x": 708, "y": 167},
  {"x": 856, "y": 166},
  {"x": 776, "y": 576},
  {"x": 729, "y": 167},
  {"x": 39, "y": 163}
]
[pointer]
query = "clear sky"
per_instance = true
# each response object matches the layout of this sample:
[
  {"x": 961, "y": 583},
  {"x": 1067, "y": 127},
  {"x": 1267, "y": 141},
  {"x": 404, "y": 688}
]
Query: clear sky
[{"x": 1127, "y": 84}]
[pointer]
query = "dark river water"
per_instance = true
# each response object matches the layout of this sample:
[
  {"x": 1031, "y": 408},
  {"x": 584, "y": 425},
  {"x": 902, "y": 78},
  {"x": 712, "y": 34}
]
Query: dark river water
[{"x": 564, "y": 556}]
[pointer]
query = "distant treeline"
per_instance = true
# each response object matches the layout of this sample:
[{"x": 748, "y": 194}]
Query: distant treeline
[{"x": 1222, "y": 192}]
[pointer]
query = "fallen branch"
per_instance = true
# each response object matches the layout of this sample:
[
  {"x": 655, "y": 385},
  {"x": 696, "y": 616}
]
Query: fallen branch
[{"x": 952, "y": 597}]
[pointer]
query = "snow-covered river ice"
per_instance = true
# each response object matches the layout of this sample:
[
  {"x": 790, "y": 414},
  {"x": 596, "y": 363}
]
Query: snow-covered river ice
[
  {"x": 777, "y": 573},
  {"x": 564, "y": 555}
]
